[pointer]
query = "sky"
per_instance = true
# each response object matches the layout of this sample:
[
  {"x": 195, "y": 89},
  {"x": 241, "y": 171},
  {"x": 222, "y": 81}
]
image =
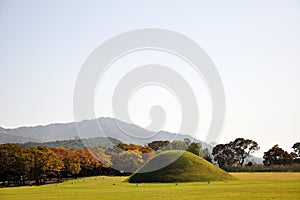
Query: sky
[{"x": 255, "y": 46}]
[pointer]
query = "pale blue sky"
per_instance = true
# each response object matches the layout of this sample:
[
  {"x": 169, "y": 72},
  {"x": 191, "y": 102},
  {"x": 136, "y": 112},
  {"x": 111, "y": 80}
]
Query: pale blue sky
[{"x": 255, "y": 46}]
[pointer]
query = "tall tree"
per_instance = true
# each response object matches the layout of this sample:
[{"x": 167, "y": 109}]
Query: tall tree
[
  {"x": 88, "y": 162},
  {"x": 243, "y": 148},
  {"x": 277, "y": 156},
  {"x": 223, "y": 155},
  {"x": 43, "y": 163},
  {"x": 12, "y": 161},
  {"x": 234, "y": 152},
  {"x": 71, "y": 161}
]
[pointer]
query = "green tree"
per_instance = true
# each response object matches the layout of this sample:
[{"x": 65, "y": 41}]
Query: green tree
[
  {"x": 187, "y": 141},
  {"x": 234, "y": 152},
  {"x": 127, "y": 161},
  {"x": 223, "y": 155},
  {"x": 194, "y": 148},
  {"x": 175, "y": 145},
  {"x": 204, "y": 153}
]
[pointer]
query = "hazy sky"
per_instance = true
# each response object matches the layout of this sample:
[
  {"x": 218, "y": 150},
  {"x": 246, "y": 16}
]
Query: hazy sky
[{"x": 255, "y": 46}]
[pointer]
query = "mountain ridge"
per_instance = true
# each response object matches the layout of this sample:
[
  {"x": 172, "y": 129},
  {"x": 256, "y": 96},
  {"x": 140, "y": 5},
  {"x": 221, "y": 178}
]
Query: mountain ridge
[{"x": 114, "y": 128}]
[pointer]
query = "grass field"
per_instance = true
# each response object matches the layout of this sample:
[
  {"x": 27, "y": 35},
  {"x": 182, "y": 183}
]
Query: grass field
[{"x": 247, "y": 186}]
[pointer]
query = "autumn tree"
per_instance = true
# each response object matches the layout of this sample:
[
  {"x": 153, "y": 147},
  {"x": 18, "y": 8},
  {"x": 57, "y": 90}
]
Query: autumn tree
[
  {"x": 43, "y": 162},
  {"x": 156, "y": 145},
  {"x": 88, "y": 162},
  {"x": 277, "y": 156},
  {"x": 70, "y": 159},
  {"x": 134, "y": 147},
  {"x": 12, "y": 161},
  {"x": 146, "y": 152}
]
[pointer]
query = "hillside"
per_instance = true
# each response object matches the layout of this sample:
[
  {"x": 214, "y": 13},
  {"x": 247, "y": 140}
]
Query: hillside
[
  {"x": 76, "y": 143},
  {"x": 8, "y": 138},
  {"x": 187, "y": 167}
]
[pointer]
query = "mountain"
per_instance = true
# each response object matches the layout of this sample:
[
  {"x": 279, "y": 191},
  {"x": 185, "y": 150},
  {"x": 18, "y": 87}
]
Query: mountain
[
  {"x": 125, "y": 132},
  {"x": 8, "y": 138},
  {"x": 254, "y": 160}
]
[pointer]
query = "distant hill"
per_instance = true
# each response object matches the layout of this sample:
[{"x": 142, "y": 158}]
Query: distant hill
[
  {"x": 8, "y": 138},
  {"x": 76, "y": 143},
  {"x": 125, "y": 132},
  {"x": 254, "y": 160}
]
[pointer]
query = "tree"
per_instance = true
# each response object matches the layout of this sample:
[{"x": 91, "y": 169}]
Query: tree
[
  {"x": 147, "y": 153},
  {"x": 296, "y": 148},
  {"x": 242, "y": 148},
  {"x": 127, "y": 161},
  {"x": 234, "y": 152},
  {"x": 175, "y": 145},
  {"x": 187, "y": 141},
  {"x": 194, "y": 148},
  {"x": 43, "y": 162},
  {"x": 99, "y": 153},
  {"x": 277, "y": 156},
  {"x": 12, "y": 161},
  {"x": 204, "y": 153},
  {"x": 156, "y": 145},
  {"x": 70, "y": 159},
  {"x": 88, "y": 162},
  {"x": 223, "y": 155}
]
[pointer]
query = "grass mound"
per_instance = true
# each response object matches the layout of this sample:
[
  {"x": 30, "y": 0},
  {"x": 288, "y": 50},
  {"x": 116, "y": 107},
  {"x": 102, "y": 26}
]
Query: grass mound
[{"x": 187, "y": 168}]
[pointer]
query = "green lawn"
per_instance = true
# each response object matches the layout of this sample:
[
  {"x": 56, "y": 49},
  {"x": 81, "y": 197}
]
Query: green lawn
[{"x": 247, "y": 186}]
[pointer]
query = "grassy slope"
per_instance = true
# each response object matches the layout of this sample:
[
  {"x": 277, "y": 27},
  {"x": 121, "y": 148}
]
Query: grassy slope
[
  {"x": 187, "y": 168},
  {"x": 248, "y": 186}
]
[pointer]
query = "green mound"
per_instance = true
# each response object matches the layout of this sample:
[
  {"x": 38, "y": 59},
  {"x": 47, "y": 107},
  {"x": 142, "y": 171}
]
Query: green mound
[{"x": 187, "y": 167}]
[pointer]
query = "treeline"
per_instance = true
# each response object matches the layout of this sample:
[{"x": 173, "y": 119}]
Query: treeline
[
  {"x": 37, "y": 165},
  {"x": 20, "y": 165},
  {"x": 231, "y": 157}
]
